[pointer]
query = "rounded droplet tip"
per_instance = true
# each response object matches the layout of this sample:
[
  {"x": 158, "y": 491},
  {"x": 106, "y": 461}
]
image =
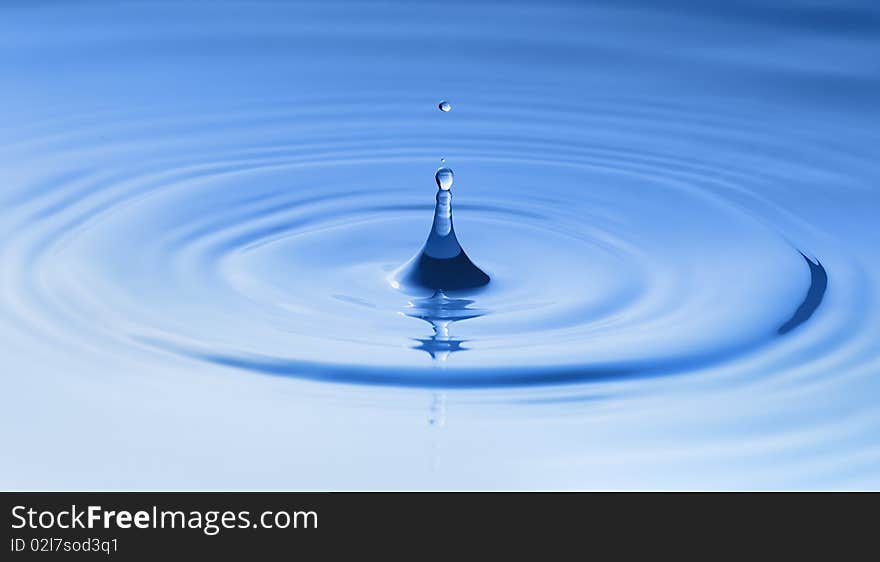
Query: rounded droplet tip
[
  {"x": 444, "y": 178},
  {"x": 444, "y": 106}
]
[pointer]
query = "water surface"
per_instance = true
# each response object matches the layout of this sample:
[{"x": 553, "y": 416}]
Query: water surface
[{"x": 208, "y": 210}]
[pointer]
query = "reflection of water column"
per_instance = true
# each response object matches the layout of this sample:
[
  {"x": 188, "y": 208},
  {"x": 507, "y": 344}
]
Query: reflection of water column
[
  {"x": 440, "y": 345},
  {"x": 441, "y": 311}
]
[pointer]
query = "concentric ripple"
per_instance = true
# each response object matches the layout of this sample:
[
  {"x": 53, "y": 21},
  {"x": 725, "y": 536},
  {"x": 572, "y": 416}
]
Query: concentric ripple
[
  {"x": 675, "y": 210},
  {"x": 275, "y": 257}
]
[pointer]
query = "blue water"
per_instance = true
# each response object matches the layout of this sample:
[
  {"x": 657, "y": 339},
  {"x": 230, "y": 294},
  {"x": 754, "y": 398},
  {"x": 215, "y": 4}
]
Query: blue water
[{"x": 220, "y": 264}]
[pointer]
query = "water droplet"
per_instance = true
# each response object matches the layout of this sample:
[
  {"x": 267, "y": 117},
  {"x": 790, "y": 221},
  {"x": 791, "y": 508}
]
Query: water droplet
[
  {"x": 444, "y": 106},
  {"x": 443, "y": 160},
  {"x": 444, "y": 178}
]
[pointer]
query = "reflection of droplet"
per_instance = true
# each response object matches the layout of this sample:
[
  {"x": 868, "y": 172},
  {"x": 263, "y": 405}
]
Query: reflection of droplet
[
  {"x": 444, "y": 178},
  {"x": 437, "y": 411},
  {"x": 444, "y": 106}
]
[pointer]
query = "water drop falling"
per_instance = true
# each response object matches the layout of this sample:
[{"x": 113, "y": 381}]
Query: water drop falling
[
  {"x": 444, "y": 106},
  {"x": 444, "y": 178},
  {"x": 443, "y": 160}
]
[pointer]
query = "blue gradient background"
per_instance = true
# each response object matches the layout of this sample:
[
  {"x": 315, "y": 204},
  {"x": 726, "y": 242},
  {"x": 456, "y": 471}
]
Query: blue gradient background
[{"x": 202, "y": 206}]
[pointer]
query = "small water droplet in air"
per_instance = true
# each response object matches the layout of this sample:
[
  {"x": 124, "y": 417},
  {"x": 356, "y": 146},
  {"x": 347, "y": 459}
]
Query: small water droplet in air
[
  {"x": 444, "y": 177},
  {"x": 443, "y": 160},
  {"x": 444, "y": 106}
]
